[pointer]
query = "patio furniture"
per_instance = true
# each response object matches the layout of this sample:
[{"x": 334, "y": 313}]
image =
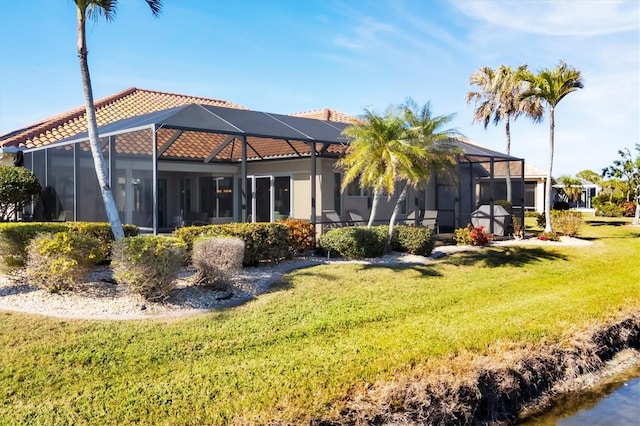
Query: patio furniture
[
  {"x": 331, "y": 220},
  {"x": 356, "y": 218}
]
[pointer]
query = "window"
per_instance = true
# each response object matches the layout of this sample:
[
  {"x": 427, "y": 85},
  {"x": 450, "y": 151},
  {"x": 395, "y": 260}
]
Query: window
[
  {"x": 337, "y": 194},
  {"x": 216, "y": 196},
  {"x": 354, "y": 190}
]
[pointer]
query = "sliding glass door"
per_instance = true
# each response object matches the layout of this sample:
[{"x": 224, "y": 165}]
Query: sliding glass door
[{"x": 271, "y": 198}]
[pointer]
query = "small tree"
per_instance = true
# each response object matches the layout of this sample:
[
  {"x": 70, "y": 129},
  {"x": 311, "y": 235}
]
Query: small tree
[
  {"x": 628, "y": 169},
  {"x": 589, "y": 176},
  {"x": 18, "y": 186}
]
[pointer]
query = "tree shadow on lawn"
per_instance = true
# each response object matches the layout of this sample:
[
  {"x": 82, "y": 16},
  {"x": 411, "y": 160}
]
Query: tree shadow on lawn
[
  {"x": 506, "y": 256},
  {"x": 608, "y": 222},
  {"x": 424, "y": 270}
]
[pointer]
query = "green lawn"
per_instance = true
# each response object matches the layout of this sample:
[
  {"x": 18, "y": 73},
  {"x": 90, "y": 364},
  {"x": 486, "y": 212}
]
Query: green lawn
[{"x": 321, "y": 335}]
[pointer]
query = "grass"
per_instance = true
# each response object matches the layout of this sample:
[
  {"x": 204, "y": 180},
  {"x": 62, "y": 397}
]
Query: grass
[{"x": 321, "y": 336}]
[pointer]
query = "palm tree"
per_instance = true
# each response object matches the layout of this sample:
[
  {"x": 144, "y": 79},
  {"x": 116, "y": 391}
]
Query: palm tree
[
  {"x": 499, "y": 97},
  {"x": 88, "y": 9},
  {"x": 375, "y": 153},
  {"x": 551, "y": 86},
  {"x": 427, "y": 144},
  {"x": 572, "y": 187}
]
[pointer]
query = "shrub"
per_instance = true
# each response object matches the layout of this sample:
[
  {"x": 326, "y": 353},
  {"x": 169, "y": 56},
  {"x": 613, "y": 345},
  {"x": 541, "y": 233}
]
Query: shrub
[
  {"x": 504, "y": 203},
  {"x": 301, "y": 234},
  {"x": 148, "y": 265},
  {"x": 414, "y": 240},
  {"x": 355, "y": 242},
  {"x": 628, "y": 208},
  {"x": 262, "y": 241},
  {"x": 102, "y": 232},
  {"x": 472, "y": 236},
  {"x": 17, "y": 187},
  {"x": 216, "y": 258},
  {"x": 548, "y": 236},
  {"x": 609, "y": 209},
  {"x": 566, "y": 222},
  {"x": 57, "y": 261},
  {"x": 15, "y": 238},
  {"x": 560, "y": 205},
  {"x": 541, "y": 220}
]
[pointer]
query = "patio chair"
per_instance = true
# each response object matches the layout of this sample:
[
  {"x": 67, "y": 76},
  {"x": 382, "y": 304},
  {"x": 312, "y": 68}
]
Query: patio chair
[
  {"x": 331, "y": 220},
  {"x": 356, "y": 218},
  {"x": 430, "y": 220}
]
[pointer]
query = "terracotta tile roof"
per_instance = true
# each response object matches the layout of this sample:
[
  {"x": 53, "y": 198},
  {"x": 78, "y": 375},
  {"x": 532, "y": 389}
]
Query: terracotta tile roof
[
  {"x": 327, "y": 115},
  {"x": 125, "y": 104}
]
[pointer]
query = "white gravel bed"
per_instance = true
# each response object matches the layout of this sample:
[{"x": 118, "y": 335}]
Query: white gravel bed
[{"x": 99, "y": 297}]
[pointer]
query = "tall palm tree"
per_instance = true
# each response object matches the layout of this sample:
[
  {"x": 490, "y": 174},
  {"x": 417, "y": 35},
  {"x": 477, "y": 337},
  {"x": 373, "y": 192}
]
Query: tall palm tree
[
  {"x": 375, "y": 153},
  {"x": 499, "y": 97},
  {"x": 428, "y": 146},
  {"x": 551, "y": 86},
  {"x": 92, "y": 9}
]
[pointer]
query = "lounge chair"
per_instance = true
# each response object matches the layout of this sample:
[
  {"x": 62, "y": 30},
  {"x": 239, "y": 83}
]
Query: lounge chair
[{"x": 356, "y": 218}]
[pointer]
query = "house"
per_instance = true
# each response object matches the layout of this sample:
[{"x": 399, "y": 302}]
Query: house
[
  {"x": 533, "y": 193},
  {"x": 176, "y": 160}
]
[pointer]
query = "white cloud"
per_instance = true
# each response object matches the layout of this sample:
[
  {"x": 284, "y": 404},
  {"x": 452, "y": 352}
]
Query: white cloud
[{"x": 558, "y": 18}]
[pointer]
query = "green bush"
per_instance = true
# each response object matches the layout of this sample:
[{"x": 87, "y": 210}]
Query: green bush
[
  {"x": 354, "y": 242},
  {"x": 566, "y": 222},
  {"x": 216, "y": 258},
  {"x": 102, "y": 232},
  {"x": 541, "y": 220},
  {"x": 472, "y": 236},
  {"x": 414, "y": 240},
  {"x": 148, "y": 264},
  {"x": 301, "y": 234},
  {"x": 15, "y": 238},
  {"x": 609, "y": 209},
  {"x": 18, "y": 186},
  {"x": 505, "y": 204},
  {"x": 57, "y": 261},
  {"x": 262, "y": 241}
]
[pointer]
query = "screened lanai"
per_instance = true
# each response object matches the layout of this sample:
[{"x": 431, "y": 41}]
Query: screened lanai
[
  {"x": 199, "y": 164},
  {"x": 186, "y": 164}
]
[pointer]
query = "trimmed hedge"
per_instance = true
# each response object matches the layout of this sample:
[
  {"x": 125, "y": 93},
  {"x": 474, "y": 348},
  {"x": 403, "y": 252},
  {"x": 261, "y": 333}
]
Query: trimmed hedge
[
  {"x": 413, "y": 240},
  {"x": 566, "y": 222},
  {"x": 16, "y": 236},
  {"x": 262, "y": 241},
  {"x": 148, "y": 264},
  {"x": 355, "y": 242},
  {"x": 301, "y": 234},
  {"x": 57, "y": 261}
]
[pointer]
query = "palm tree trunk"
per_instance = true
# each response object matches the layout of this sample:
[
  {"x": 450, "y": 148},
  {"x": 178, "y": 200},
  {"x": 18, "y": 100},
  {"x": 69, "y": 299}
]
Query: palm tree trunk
[
  {"x": 396, "y": 211},
  {"x": 92, "y": 128},
  {"x": 508, "y": 152},
  {"x": 547, "y": 207},
  {"x": 374, "y": 207}
]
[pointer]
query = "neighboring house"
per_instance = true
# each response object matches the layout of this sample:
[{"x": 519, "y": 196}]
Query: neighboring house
[
  {"x": 533, "y": 196},
  {"x": 176, "y": 160},
  {"x": 589, "y": 190}
]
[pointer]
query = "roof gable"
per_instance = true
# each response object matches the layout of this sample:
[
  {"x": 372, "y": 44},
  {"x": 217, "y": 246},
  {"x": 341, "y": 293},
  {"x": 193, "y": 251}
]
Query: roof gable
[{"x": 128, "y": 103}]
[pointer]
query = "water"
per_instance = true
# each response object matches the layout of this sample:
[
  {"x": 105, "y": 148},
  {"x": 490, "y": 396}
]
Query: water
[{"x": 615, "y": 403}]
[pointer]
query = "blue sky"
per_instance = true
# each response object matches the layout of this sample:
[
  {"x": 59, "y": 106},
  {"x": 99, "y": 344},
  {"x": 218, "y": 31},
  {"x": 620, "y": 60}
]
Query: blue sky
[{"x": 289, "y": 56}]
